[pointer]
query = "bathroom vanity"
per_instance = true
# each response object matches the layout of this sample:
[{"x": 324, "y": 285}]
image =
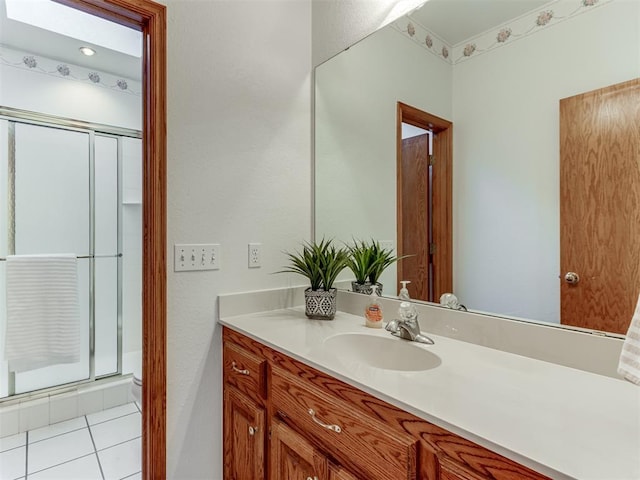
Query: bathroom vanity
[{"x": 299, "y": 403}]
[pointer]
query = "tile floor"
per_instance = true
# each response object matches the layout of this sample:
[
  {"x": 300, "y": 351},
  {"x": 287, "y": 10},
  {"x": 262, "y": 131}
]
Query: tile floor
[{"x": 101, "y": 446}]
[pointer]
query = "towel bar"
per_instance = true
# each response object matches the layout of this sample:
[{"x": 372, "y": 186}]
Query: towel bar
[{"x": 2, "y": 259}]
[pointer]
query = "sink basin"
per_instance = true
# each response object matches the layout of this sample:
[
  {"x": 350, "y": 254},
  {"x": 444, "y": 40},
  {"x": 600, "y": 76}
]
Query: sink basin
[{"x": 388, "y": 353}]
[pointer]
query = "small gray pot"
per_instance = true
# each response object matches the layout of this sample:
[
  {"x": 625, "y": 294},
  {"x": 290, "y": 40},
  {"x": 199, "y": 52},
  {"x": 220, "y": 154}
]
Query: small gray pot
[
  {"x": 365, "y": 287},
  {"x": 320, "y": 304}
]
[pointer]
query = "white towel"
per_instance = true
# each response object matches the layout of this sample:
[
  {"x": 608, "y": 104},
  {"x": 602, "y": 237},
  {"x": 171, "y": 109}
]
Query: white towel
[
  {"x": 43, "y": 321},
  {"x": 629, "y": 366}
]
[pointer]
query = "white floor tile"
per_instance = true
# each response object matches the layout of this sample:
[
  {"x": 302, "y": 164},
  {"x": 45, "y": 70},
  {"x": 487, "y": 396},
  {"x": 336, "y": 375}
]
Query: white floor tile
[
  {"x": 122, "y": 429},
  {"x": 85, "y": 468},
  {"x": 56, "y": 450},
  {"x": 111, "y": 413},
  {"x": 12, "y": 463},
  {"x": 56, "y": 429},
  {"x": 14, "y": 441},
  {"x": 135, "y": 476},
  {"x": 122, "y": 460}
]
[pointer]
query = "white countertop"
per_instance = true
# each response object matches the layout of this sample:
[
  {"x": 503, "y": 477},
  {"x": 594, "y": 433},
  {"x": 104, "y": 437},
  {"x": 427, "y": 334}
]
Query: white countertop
[{"x": 562, "y": 422}]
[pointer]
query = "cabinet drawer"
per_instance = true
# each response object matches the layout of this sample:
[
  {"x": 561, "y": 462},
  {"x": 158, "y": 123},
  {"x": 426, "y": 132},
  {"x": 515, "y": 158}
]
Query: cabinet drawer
[
  {"x": 357, "y": 440},
  {"x": 245, "y": 371}
]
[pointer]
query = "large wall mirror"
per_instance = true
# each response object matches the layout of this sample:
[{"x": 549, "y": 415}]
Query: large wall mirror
[{"x": 543, "y": 100}]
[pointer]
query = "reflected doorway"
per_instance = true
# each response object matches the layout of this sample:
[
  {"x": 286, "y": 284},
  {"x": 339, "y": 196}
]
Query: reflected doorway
[{"x": 424, "y": 167}]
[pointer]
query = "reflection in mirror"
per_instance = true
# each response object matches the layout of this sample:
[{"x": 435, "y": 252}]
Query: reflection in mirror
[{"x": 523, "y": 194}]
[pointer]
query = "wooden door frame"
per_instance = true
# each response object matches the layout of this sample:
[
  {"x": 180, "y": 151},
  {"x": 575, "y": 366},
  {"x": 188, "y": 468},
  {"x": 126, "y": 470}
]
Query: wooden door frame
[
  {"x": 150, "y": 18},
  {"x": 442, "y": 192}
]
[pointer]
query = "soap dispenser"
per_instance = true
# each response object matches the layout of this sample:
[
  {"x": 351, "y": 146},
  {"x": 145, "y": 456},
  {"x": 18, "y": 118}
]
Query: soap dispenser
[
  {"x": 404, "y": 293},
  {"x": 373, "y": 310},
  {"x": 406, "y": 310}
]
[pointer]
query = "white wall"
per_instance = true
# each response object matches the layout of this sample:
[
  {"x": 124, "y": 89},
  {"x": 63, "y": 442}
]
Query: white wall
[
  {"x": 506, "y": 155},
  {"x": 355, "y": 116},
  {"x": 42, "y": 89},
  {"x": 239, "y": 96}
]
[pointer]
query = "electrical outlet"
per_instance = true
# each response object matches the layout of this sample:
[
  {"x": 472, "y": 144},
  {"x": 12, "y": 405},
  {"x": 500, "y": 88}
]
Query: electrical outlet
[
  {"x": 190, "y": 257},
  {"x": 255, "y": 259}
]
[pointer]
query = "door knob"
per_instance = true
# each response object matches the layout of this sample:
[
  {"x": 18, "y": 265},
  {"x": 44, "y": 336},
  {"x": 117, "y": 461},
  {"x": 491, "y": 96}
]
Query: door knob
[{"x": 571, "y": 278}]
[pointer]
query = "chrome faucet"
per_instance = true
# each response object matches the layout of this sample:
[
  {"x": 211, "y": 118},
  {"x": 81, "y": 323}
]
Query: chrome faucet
[{"x": 408, "y": 328}]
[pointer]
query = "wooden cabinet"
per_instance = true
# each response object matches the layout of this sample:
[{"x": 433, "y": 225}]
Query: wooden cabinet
[
  {"x": 315, "y": 427},
  {"x": 244, "y": 434},
  {"x": 339, "y": 473},
  {"x": 358, "y": 440},
  {"x": 293, "y": 457}
]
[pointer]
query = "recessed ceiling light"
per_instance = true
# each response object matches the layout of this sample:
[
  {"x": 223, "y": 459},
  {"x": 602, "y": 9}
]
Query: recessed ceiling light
[{"x": 87, "y": 51}]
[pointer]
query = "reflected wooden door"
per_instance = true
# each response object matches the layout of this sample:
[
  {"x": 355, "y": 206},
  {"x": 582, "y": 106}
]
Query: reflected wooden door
[
  {"x": 600, "y": 207},
  {"x": 416, "y": 216}
]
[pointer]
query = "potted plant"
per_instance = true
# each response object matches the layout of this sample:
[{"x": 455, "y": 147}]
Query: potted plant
[
  {"x": 367, "y": 261},
  {"x": 320, "y": 263}
]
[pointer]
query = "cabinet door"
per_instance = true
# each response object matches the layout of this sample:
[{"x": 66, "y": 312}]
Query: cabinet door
[
  {"x": 244, "y": 437},
  {"x": 452, "y": 471},
  {"x": 293, "y": 458},
  {"x": 339, "y": 473}
]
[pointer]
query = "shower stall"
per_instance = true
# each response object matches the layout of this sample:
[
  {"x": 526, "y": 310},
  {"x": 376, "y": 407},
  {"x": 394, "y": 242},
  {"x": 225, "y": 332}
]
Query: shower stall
[{"x": 69, "y": 187}]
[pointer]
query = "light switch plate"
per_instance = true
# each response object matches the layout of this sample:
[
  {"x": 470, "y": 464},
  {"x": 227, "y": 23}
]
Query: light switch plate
[{"x": 198, "y": 256}]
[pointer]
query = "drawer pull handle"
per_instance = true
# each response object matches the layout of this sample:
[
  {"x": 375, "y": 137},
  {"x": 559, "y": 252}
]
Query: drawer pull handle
[
  {"x": 314, "y": 478},
  {"x": 335, "y": 428},
  {"x": 237, "y": 370},
  {"x": 252, "y": 430}
]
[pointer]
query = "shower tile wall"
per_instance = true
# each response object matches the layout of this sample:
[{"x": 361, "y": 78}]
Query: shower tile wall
[{"x": 29, "y": 414}]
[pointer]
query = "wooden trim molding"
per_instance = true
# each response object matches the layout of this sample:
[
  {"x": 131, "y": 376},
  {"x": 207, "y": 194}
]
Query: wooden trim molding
[{"x": 150, "y": 18}]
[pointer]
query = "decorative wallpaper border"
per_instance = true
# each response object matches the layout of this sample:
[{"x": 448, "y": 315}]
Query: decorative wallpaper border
[
  {"x": 420, "y": 35},
  {"x": 46, "y": 66},
  {"x": 504, "y": 34}
]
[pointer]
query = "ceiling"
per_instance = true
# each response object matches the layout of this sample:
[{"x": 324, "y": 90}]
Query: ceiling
[
  {"x": 456, "y": 21},
  {"x": 38, "y": 41}
]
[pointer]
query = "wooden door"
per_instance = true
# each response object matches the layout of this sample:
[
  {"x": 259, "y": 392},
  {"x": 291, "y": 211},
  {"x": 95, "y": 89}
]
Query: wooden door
[
  {"x": 293, "y": 457},
  {"x": 416, "y": 217},
  {"x": 244, "y": 437},
  {"x": 339, "y": 473},
  {"x": 600, "y": 206}
]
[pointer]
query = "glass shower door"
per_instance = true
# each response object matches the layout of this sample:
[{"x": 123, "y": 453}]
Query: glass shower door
[{"x": 53, "y": 216}]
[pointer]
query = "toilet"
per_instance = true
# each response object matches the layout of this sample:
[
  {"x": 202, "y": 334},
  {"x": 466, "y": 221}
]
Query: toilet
[{"x": 136, "y": 381}]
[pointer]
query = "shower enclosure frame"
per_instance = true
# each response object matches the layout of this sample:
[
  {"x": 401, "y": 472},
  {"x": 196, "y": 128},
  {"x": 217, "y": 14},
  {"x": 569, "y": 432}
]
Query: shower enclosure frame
[{"x": 13, "y": 116}]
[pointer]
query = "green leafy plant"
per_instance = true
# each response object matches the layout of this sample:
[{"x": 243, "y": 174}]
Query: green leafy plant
[
  {"x": 367, "y": 260},
  {"x": 360, "y": 260},
  {"x": 320, "y": 262}
]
